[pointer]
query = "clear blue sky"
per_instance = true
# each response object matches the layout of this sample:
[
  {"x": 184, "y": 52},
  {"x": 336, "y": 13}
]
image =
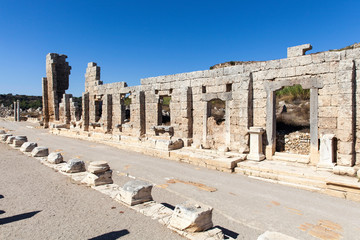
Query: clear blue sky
[{"x": 131, "y": 40}]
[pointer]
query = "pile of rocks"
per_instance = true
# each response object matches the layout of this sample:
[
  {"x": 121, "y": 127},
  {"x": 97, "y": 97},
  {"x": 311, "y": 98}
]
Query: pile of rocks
[
  {"x": 295, "y": 142},
  {"x": 6, "y": 111}
]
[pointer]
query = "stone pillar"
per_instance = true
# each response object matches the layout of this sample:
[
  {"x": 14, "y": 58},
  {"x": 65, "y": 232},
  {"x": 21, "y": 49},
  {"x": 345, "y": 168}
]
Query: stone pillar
[
  {"x": 270, "y": 124},
  {"x": 18, "y": 110},
  {"x": 314, "y": 152},
  {"x": 15, "y": 112},
  {"x": 45, "y": 102},
  {"x": 256, "y": 148},
  {"x": 327, "y": 151},
  {"x": 206, "y": 114},
  {"x": 107, "y": 114},
  {"x": 85, "y": 111}
]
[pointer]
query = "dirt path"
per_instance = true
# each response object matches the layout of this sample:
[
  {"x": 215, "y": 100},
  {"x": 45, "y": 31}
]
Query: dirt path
[{"x": 38, "y": 203}]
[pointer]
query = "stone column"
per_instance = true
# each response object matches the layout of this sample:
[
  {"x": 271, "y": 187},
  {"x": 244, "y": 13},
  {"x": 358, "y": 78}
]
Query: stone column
[
  {"x": 85, "y": 111},
  {"x": 270, "y": 124},
  {"x": 18, "y": 110},
  {"x": 256, "y": 148},
  {"x": 15, "y": 112},
  {"x": 327, "y": 151}
]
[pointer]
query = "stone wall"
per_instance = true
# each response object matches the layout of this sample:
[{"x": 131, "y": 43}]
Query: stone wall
[{"x": 248, "y": 91}]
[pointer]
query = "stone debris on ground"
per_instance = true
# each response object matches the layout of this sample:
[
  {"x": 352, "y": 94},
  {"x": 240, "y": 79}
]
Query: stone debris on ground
[
  {"x": 19, "y": 140},
  {"x": 40, "y": 152},
  {"x": 4, "y": 137},
  {"x": 192, "y": 217},
  {"x": 135, "y": 192},
  {"x": 55, "y": 158},
  {"x": 74, "y": 166},
  {"x": 28, "y": 146},
  {"x": 10, "y": 140},
  {"x": 140, "y": 192},
  {"x": 99, "y": 173}
]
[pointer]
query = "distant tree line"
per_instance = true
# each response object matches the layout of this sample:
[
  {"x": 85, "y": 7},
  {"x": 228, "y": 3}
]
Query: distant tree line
[{"x": 26, "y": 102}]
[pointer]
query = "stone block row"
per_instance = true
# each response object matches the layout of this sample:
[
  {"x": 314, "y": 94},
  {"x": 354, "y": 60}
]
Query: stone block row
[{"x": 186, "y": 218}]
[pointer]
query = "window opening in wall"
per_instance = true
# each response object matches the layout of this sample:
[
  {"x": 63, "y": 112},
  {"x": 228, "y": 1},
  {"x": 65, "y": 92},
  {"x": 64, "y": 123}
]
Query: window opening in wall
[
  {"x": 293, "y": 120},
  {"x": 203, "y": 89},
  {"x": 127, "y": 103},
  {"x": 98, "y": 110},
  {"x": 215, "y": 126},
  {"x": 229, "y": 87},
  {"x": 165, "y": 110},
  {"x": 217, "y": 111}
]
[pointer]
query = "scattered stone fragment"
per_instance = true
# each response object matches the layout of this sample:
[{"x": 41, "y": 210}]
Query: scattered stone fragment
[
  {"x": 4, "y": 137},
  {"x": 98, "y": 167},
  {"x": 2, "y": 132},
  {"x": 40, "y": 152},
  {"x": 99, "y": 174},
  {"x": 55, "y": 158},
  {"x": 19, "y": 141},
  {"x": 274, "y": 236},
  {"x": 10, "y": 140},
  {"x": 358, "y": 174},
  {"x": 28, "y": 146},
  {"x": 74, "y": 166},
  {"x": 135, "y": 192},
  {"x": 191, "y": 217}
]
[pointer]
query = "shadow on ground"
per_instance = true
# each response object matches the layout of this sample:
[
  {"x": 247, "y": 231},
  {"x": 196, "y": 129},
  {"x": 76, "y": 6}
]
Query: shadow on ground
[
  {"x": 111, "y": 235},
  {"x": 18, "y": 217}
]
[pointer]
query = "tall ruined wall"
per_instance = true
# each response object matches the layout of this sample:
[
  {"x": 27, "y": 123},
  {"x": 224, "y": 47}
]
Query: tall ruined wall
[
  {"x": 248, "y": 93},
  {"x": 54, "y": 85}
]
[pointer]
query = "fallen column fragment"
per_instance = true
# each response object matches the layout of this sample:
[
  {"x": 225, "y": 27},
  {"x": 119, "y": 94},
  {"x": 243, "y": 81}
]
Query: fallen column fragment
[
  {"x": 135, "y": 192},
  {"x": 19, "y": 141},
  {"x": 4, "y": 137},
  {"x": 192, "y": 217},
  {"x": 55, "y": 158},
  {"x": 40, "y": 152},
  {"x": 74, "y": 166},
  {"x": 10, "y": 140},
  {"x": 99, "y": 174},
  {"x": 28, "y": 146}
]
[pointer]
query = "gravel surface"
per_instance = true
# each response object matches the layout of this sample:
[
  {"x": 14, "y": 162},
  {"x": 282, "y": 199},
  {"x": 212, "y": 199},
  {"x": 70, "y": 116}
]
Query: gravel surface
[{"x": 38, "y": 203}]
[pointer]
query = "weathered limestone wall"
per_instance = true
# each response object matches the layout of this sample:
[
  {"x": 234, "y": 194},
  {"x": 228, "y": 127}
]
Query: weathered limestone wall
[
  {"x": 55, "y": 84},
  {"x": 248, "y": 91}
]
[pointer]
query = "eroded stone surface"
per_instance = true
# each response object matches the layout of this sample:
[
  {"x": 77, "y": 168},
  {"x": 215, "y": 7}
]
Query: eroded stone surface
[
  {"x": 135, "y": 192},
  {"x": 55, "y": 158},
  {"x": 192, "y": 217},
  {"x": 19, "y": 140},
  {"x": 5, "y": 137},
  {"x": 28, "y": 146},
  {"x": 98, "y": 167},
  {"x": 40, "y": 152},
  {"x": 74, "y": 166},
  {"x": 10, "y": 140},
  {"x": 98, "y": 179}
]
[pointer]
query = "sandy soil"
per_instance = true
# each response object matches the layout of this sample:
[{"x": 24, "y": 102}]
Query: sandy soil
[{"x": 38, "y": 203}]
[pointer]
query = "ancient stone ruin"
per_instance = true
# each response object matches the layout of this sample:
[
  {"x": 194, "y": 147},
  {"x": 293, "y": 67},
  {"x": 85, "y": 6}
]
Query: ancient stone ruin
[{"x": 229, "y": 111}]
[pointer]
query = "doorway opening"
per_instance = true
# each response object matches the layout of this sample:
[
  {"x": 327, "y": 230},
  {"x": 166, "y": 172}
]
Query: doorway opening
[
  {"x": 98, "y": 110},
  {"x": 293, "y": 120},
  {"x": 216, "y": 123},
  {"x": 165, "y": 110}
]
